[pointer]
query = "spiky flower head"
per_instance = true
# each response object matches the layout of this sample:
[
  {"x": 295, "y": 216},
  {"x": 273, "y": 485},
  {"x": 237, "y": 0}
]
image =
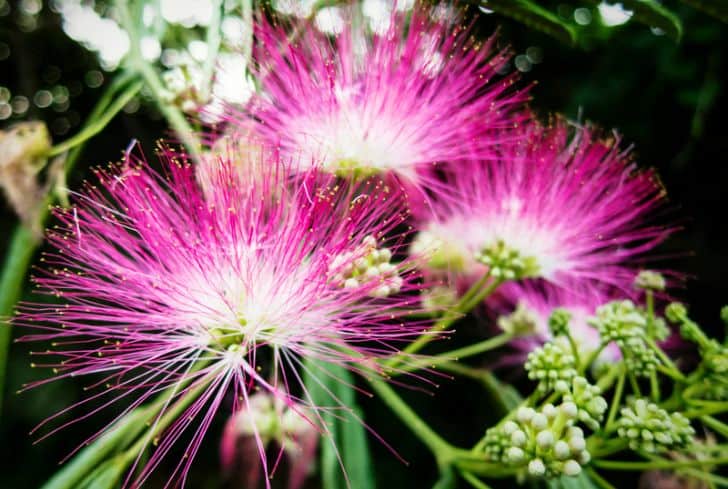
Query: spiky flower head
[
  {"x": 398, "y": 100},
  {"x": 219, "y": 292},
  {"x": 563, "y": 204},
  {"x": 652, "y": 429}
]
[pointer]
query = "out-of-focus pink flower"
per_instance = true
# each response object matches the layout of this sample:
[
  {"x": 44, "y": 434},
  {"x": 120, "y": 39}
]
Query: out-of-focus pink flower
[
  {"x": 533, "y": 302},
  {"x": 165, "y": 284},
  {"x": 418, "y": 92},
  {"x": 286, "y": 428},
  {"x": 563, "y": 204}
]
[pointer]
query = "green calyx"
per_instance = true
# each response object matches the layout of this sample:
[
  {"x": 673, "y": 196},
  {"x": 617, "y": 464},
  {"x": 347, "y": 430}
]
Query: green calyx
[
  {"x": 507, "y": 263},
  {"x": 350, "y": 168}
]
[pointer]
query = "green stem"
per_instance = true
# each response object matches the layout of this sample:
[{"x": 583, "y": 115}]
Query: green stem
[
  {"x": 246, "y": 8},
  {"x": 598, "y": 479},
  {"x": 715, "y": 424},
  {"x": 454, "y": 355},
  {"x": 616, "y": 400},
  {"x": 213, "y": 40},
  {"x": 93, "y": 455},
  {"x": 478, "y": 292},
  {"x": 441, "y": 449},
  {"x": 656, "y": 464},
  {"x": 137, "y": 63},
  {"x": 591, "y": 358},
  {"x": 167, "y": 418},
  {"x": 98, "y": 124},
  {"x": 473, "y": 481},
  {"x": 24, "y": 242},
  {"x": 674, "y": 371}
]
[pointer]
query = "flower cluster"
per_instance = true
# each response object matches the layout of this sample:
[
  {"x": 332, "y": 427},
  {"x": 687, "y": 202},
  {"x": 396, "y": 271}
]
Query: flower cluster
[
  {"x": 366, "y": 264},
  {"x": 590, "y": 404},
  {"x": 168, "y": 285},
  {"x": 384, "y": 175},
  {"x": 626, "y": 325},
  {"x": 652, "y": 429},
  {"x": 552, "y": 365},
  {"x": 397, "y": 101},
  {"x": 545, "y": 443}
]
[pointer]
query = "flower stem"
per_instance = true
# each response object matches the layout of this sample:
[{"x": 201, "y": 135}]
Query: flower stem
[
  {"x": 474, "y": 481},
  {"x": 598, "y": 479},
  {"x": 616, "y": 400},
  {"x": 97, "y": 124},
  {"x": 454, "y": 355},
  {"x": 656, "y": 464},
  {"x": 138, "y": 64},
  {"x": 441, "y": 449},
  {"x": 24, "y": 242},
  {"x": 478, "y": 292}
]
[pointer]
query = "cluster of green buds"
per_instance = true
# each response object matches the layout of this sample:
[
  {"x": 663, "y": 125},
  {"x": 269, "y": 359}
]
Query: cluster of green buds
[
  {"x": 552, "y": 365},
  {"x": 521, "y": 322},
  {"x": 506, "y": 263},
  {"x": 559, "y": 322},
  {"x": 626, "y": 325},
  {"x": 365, "y": 265},
  {"x": 714, "y": 384},
  {"x": 652, "y": 429},
  {"x": 437, "y": 253},
  {"x": 589, "y": 402},
  {"x": 544, "y": 443}
]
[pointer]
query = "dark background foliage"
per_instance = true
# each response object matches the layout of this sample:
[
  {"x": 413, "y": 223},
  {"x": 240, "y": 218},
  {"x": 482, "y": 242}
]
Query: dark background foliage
[{"x": 666, "y": 98}]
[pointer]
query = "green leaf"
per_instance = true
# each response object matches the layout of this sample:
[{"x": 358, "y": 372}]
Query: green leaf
[
  {"x": 581, "y": 481},
  {"x": 535, "y": 16},
  {"x": 654, "y": 14},
  {"x": 88, "y": 459},
  {"x": 716, "y": 8},
  {"x": 447, "y": 480},
  {"x": 329, "y": 385}
]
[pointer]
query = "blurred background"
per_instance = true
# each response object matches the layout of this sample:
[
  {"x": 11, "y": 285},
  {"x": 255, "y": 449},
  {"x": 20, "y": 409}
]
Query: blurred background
[{"x": 665, "y": 97}]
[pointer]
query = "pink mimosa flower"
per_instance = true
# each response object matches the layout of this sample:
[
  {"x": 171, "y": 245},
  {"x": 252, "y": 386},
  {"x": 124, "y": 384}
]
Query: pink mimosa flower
[
  {"x": 397, "y": 100},
  {"x": 533, "y": 302},
  {"x": 564, "y": 205},
  {"x": 167, "y": 286}
]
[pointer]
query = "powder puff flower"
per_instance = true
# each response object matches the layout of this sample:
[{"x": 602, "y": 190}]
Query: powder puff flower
[
  {"x": 397, "y": 100},
  {"x": 525, "y": 309},
  {"x": 166, "y": 286},
  {"x": 563, "y": 205}
]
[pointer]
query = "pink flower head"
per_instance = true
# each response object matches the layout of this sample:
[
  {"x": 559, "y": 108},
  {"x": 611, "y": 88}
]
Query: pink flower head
[
  {"x": 529, "y": 304},
  {"x": 165, "y": 286},
  {"x": 273, "y": 423},
  {"x": 398, "y": 99},
  {"x": 563, "y": 205}
]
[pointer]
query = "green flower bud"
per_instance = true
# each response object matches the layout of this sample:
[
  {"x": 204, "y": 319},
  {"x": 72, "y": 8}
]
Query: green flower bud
[
  {"x": 552, "y": 365},
  {"x": 650, "y": 280},
  {"x": 559, "y": 322},
  {"x": 507, "y": 263},
  {"x": 521, "y": 322},
  {"x": 652, "y": 429}
]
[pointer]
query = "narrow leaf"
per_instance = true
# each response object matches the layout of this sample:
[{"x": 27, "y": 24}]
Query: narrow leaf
[
  {"x": 90, "y": 457},
  {"x": 581, "y": 481},
  {"x": 348, "y": 435},
  {"x": 653, "y": 14},
  {"x": 534, "y": 16},
  {"x": 716, "y": 8}
]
